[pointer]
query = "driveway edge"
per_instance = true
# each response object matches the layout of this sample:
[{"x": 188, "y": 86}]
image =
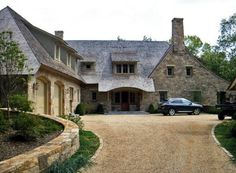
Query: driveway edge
[
  {"x": 218, "y": 143},
  {"x": 95, "y": 155}
]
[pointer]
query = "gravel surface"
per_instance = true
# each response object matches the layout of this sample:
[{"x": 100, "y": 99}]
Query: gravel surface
[{"x": 158, "y": 144}]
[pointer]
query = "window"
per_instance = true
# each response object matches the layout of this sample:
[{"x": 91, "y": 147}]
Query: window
[
  {"x": 196, "y": 96},
  {"x": 94, "y": 96},
  {"x": 71, "y": 93},
  {"x": 170, "y": 70},
  {"x": 57, "y": 53},
  {"x": 68, "y": 60},
  {"x": 125, "y": 68},
  {"x": 186, "y": 102},
  {"x": 177, "y": 101},
  {"x": 189, "y": 71},
  {"x": 118, "y": 68},
  {"x": 131, "y": 68},
  {"x": 117, "y": 97},
  {"x": 88, "y": 66},
  {"x": 163, "y": 95},
  {"x": 132, "y": 98}
]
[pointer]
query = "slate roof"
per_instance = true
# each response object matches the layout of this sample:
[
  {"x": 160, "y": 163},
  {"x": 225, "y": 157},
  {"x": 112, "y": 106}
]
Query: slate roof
[
  {"x": 146, "y": 54},
  {"x": 30, "y": 46}
]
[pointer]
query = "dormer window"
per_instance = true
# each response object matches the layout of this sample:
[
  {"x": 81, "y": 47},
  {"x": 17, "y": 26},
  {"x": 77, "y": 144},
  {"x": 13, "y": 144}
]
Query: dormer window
[
  {"x": 57, "y": 53},
  {"x": 88, "y": 66},
  {"x": 124, "y": 68}
]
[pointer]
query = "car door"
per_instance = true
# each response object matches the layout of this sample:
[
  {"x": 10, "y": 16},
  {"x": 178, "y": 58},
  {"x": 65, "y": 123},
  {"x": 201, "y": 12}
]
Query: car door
[{"x": 177, "y": 104}]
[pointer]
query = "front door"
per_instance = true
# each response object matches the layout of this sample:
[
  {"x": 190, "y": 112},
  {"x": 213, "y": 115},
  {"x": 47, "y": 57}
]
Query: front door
[{"x": 125, "y": 101}]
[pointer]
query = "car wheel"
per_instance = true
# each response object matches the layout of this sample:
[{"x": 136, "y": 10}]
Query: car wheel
[
  {"x": 221, "y": 116},
  {"x": 196, "y": 111},
  {"x": 171, "y": 112}
]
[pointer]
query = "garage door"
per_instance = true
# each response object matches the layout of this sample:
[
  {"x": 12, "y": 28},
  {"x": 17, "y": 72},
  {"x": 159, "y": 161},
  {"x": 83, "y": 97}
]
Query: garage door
[
  {"x": 41, "y": 99},
  {"x": 57, "y": 100}
]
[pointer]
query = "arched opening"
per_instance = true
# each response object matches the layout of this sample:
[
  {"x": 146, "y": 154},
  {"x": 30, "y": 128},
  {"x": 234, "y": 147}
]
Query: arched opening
[
  {"x": 58, "y": 98},
  {"x": 125, "y": 99},
  {"x": 42, "y": 96}
]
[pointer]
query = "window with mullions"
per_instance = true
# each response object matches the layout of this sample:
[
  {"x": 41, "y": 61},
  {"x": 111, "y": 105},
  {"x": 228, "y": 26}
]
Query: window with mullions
[
  {"x": 94, "y": 96},
  {"x": 189, "y": 71},
  {"x": 170, "y": 71}
]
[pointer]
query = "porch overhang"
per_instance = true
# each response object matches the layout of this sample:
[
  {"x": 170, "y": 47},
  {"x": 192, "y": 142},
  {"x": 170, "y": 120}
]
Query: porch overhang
[{"x": 144, "y": 84}]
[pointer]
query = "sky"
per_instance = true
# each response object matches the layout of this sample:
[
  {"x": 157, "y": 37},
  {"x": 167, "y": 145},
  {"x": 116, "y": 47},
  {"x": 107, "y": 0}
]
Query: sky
[{"x": 129, "y": 19}]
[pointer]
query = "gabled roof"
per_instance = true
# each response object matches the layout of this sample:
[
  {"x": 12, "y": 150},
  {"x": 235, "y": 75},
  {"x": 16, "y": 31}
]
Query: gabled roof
[
  {"x": 146, "y": 54},
  {"x": 30, "y": 46},
  {"x": 232, "y": 84}
]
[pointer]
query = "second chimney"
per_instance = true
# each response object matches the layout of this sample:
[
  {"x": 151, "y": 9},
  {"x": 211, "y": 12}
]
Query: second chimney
[
  {"x": 59, "y": 34},
  {"x": 178, "y": 35}
]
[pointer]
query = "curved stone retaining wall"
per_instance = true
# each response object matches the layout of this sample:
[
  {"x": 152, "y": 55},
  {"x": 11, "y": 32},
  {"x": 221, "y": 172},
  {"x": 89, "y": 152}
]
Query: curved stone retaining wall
[{"x": 40, "y": 158}]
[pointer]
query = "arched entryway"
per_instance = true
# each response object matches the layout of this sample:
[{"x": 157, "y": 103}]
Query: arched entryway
[
  {"x": 42, "y": 96},
  {"x": 125, "y": 99},
  {"x": 58, "y": 98}
]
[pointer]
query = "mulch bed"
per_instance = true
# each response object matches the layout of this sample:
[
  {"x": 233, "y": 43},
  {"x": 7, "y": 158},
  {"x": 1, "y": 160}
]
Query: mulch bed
[{"x": 10, "y": 148}]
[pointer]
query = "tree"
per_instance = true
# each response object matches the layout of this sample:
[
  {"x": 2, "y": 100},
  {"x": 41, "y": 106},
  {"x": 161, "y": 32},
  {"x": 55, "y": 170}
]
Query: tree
[
  {"x": 227, "y": 38},
  {"x": 12, "y": 65},
  {"x": 193, "y": 44},
  {"x": 120, "y": 39}
]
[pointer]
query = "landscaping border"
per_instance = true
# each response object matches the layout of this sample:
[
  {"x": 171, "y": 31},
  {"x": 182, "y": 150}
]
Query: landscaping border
[
  {"x": 93, "y": 158},
  {"x": 40, "y": 158},
  {"x": 218, "y": 143}
]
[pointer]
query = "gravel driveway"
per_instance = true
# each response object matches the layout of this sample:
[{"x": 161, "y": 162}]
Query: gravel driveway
[{"x": 158, "y": 144}]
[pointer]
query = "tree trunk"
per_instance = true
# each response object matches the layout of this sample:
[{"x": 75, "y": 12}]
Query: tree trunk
[{"x": 8, "y": 108}]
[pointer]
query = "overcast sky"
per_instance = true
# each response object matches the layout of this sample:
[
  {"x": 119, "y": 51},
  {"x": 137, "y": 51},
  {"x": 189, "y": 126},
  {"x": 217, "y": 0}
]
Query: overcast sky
[{"x": 129, "y": 19}]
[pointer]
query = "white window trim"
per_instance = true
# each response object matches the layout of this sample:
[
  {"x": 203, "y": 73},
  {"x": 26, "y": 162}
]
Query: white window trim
[
  {"x": 68, "y": 60},
  {"x": 59, "y": 53}
]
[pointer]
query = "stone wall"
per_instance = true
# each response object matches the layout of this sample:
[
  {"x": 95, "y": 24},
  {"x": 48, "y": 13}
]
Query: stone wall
[
  {"x": 181, "y": 85},
  {"x": 52, "y": 78},
  {"x": 102, "y": 98},
  {"x": 40, "y": 158}
]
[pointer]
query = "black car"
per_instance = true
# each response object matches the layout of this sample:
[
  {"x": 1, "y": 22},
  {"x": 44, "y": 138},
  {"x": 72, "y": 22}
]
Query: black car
[{"x": 173, "y": 105}]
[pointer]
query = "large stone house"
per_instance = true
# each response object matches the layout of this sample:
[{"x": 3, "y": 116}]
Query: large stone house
[{"x": 121, "y": 75}]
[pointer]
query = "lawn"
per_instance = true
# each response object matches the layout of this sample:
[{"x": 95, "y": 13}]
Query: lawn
[{"x": 226, "y": 134}]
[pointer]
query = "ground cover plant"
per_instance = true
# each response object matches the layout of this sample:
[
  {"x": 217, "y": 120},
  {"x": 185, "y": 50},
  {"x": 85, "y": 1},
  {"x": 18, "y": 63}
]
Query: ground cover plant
[
  {"x": 89, "y": 144},
  {"x": 226, "y": 134}
]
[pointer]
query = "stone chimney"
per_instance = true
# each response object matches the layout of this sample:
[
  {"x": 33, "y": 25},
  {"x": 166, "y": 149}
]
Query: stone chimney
[
  {"x": 178, "y": 35},
  {"x": 59, "y": 34}
]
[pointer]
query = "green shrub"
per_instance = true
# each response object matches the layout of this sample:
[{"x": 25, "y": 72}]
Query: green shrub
[
  {"x": 76, "y": 119},
  {"x": 20, "y": 102},
  {"x": 151, "y": 109},
  {"x": 80, "y": 109},
  {"x": 4, "y": 125},
  {"x": 233, "y": 129},
  {"x": 26, "y": 127},
  {"x": 211, "y": 110},
  {"x": 100, "y": 109},
  {"x": 47, "y": 126}
]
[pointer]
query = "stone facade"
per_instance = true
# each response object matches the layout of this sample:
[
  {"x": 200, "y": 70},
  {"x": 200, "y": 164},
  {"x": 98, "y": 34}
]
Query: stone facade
[
  {"x": 90, "y": 103},
  {"x": 52, "y": 78},
  {"x": 181, "y": 85}
]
